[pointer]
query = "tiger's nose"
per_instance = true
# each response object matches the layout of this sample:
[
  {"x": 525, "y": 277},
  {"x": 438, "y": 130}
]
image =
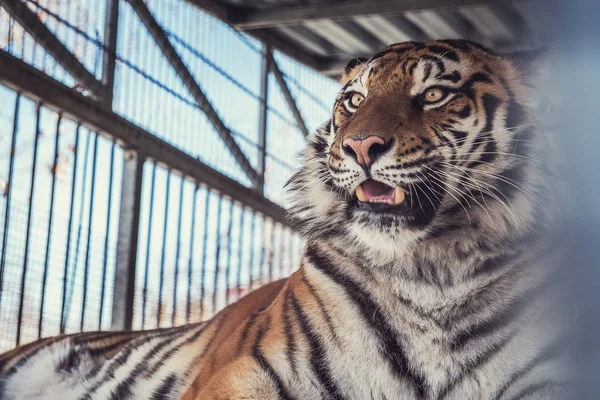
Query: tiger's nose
[{"x": 366, "y": 151}]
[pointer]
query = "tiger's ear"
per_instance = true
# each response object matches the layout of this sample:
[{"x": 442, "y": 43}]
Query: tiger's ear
[
  {"x": 352, "y": 69},
  {"x": 531, "y": 63}
]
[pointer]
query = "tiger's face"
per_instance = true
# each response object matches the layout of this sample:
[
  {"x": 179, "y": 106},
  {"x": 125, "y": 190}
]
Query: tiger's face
[{"x": 423, "y": 136}]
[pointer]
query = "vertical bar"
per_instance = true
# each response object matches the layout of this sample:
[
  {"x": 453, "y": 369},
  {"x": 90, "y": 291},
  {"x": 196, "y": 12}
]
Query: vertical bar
[
  {"x": 290, "y": 255},
  {"x": 262, "y": 252},
  {"x": 280, "y": 263},
  {"x": 50, "y": 219},
  {"x": 163, "y": 252},
  {"x": 262, "y": 122},
  {"x": 228, "y": 254},
  {"x": 29, "y": 214},
  {"x": 127, "y": 242},
  {"x": 217, "y": 255},
  {"x": 177, "y": 252},
  {"x": 79, "y": 225},
  {"x": 11, "y": 22},
  {"x": 240, "y": 252},
  {"x": 111, "y": 24},
  {"x": 107, "y": 237},
  {"x": 204, "y": 251},
  {"x": 86, "y": 267},
  {"x": 69, "y": 232},
  {"x": 271, "y": 250},
  {"x": 188, "y": 308},
  {"x": 148, "y": 245},
  {"x": 251, "y": 262},
  {"x": 9, "y": 190}
]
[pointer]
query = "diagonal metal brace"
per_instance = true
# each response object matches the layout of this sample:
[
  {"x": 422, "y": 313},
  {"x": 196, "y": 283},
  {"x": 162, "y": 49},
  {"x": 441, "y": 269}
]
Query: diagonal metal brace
[
  {"x": 170, "y": 53},
  {"x": 44, "y": 36},
  {"x": 288, "y": 95}
]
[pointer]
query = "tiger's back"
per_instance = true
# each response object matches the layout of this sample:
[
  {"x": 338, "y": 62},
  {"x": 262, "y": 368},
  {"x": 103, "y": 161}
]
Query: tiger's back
[{"x": 157, "y": 364}]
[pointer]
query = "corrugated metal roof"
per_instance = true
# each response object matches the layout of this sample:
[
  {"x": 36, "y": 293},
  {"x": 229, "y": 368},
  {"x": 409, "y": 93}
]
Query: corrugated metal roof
[{"x": 326, "y": 34}]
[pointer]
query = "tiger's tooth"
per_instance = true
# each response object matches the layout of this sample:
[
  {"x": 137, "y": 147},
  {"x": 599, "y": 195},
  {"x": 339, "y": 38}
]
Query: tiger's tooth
[
  {"x": 360, "y": 194},
  {"x": 399, "y": 196}
]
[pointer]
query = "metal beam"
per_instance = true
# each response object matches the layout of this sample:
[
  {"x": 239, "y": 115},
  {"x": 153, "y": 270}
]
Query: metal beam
[
  {"x": 262, "y": 123},
  {"x": 345, "y": 35},
  {"x": 292, "y": 15},
  {"x": 109, "y": 58},
  {"x": 41, "y": 34},
  {"x": 170, "y": 53},
  {"x": 309, "y": 40},
  {"x": 127, "y": 240},
  {"x": 276, "y": 41},
  {"x": 382, "y": 28},
  {"x": 445, "y": 24},
  {"x": 21, "y": 77},
  {"x": 288, "y": 95}
]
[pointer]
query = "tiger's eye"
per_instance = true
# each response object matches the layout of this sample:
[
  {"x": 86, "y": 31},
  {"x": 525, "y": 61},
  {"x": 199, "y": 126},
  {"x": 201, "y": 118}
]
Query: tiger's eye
[
  {"x": 356, "y": 99},
  {"x": 434, "y": 95}
]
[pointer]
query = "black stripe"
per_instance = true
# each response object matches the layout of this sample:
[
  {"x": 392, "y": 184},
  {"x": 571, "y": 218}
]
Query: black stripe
[
  {"x": 411, "y": 70},
  {"x": 464, "y": 113},
  {"x": 391, "y": 349},
  {"x": 444, "y": 52},
  {"x": 471, "y": 366},
  {"x": 266, "y": 366},
  {"x": 244, "y": 335},
  {"x": 172, "y": 351},
  {"x": 396, "y": 50},
  {"x": 70, "y": 362},
  {"x": 101, "y": 351},
  {"x": 493, "y": 264},
  {"x": 499, "y": 320},
  {"x": 164, "y": 336},
  {"x": 319, "y": 145},
  {"x": 490, "y": 107},
  {"x": 124, "y": 389},
  {"x": 290, "y": 350},
  {"x": 468, "y": 45},
  {"x": 411, "y": 164},
  {"x": 454, "y": 77},
  {"x": 459, "y": 136},
  {"x": 478, "y": 77},
  {"x": 428, "y": 69},
  {"x": 318, "y": 354},
  {"x": 165, "y": 389},
  {"x": 437, "y": 61},
  {"x": 458, "y": 44}
]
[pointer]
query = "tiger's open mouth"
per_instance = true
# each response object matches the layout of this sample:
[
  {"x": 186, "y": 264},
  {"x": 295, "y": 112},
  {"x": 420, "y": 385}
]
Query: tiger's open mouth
[
  {"x": 376, "y": 200},
  {"x": 377, "y": 196},
  {"x": 371, "y": 191}
]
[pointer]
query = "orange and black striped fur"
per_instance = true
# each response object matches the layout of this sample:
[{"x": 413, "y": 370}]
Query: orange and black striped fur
[{"x": 429, "y": 270}]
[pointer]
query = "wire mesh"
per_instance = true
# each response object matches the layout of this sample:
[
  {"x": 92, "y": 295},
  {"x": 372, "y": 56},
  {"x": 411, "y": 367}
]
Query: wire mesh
[
  {"x": 57, "y": 223},
  {"x": 228, "y": 250},
  {"x": 60, "y": 184}
]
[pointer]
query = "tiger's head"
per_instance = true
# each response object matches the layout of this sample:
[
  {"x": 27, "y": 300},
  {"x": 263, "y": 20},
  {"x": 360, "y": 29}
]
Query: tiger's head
[{"x": 425, "y": 140}]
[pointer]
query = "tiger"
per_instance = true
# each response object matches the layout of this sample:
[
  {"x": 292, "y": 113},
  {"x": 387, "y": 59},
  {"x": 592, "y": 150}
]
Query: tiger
[{"x": 431, "y": 268}]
